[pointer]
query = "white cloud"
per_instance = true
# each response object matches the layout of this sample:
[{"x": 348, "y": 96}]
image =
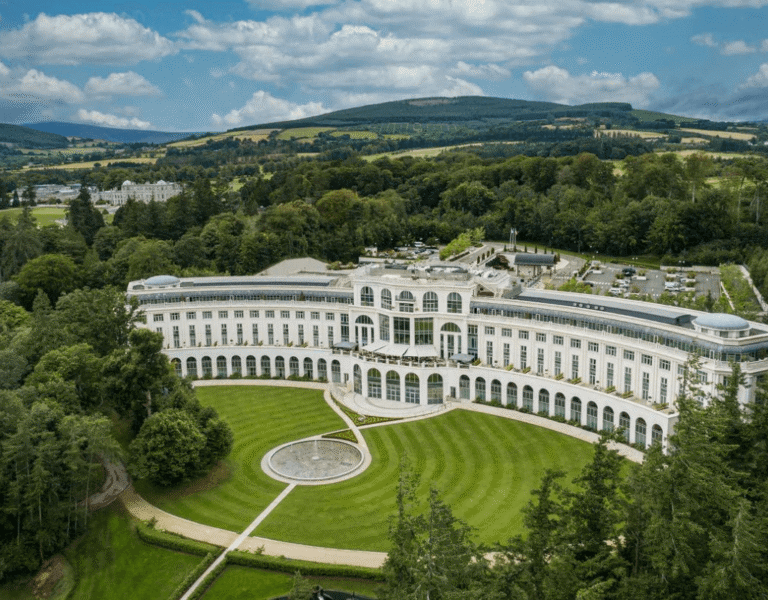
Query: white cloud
[
  {"x": 764, "y": 46},
  {"x": 121, "y": 84},
  {"x": 737, "y": 47},
  {"x": 487, "y": 71},
  {"x": 759, "y": 79},
  {"x": 93, "y": 38},
  {"x": 263, "y": 107},
  {"x": 288, "y": 4},
  {"x": 38, "y": 84},
  {"x": 704, "y": 39},
  {"x": 107, "y": 120},
  {"x": 558, "y": 85}
]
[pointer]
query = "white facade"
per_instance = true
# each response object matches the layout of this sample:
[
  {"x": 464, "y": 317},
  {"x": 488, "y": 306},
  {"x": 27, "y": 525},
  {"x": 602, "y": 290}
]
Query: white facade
[
  {"x": 141, "y": 192},
  {"x": 409, "y": 335}
]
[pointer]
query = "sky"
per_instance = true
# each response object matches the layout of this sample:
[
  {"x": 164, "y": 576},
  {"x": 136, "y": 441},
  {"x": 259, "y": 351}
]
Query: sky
[{"x": 176, "y": 65}]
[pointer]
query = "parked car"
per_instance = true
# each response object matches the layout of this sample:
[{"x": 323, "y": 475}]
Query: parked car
[{"x": 628, "y": 271}]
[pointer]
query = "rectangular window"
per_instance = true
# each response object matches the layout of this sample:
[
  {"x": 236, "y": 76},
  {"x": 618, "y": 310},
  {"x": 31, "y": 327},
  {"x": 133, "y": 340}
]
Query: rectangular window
[
  {"x": 384, "y": 328},
  {"x": 609, "y": 375},
  {"x": 176, "y": 338},
  {"x": 558, "y": 363},
  {"x": 207, "y": 314},
  {"x": 286, "y": 337},
  {"x": 541, "y": 337},
  {"x": 223, "y": 314},
  {"x": 157, "y": 318},
  {"x": 402, "y": 330},
  {"x": 191, "y": 315},
  {"x": 159, "y": 330},
  {"x": 646, "y": 385},
  {"x": 314, "y": 315},
  {"x": 489, "y": 352},
  {"x": 301, "y": 334},
  {"x": 575, "y": 343},
  {"x": 646, "y": 359},
  {"x": 523, "y": 335},
  {"x": 269, "y": 314},
  {"x": 490, "y": 331},
  {"x": 208, "y": 335},
  {"x": 627, "y": 380},
  {"x": 540, "y": 360},
  {"x": 299, "y": 314},
  {"x": 285, "y": 314},
  {"x": 593, "y": 347},
  {"x": 506, "y": 332},
  {"x": 557, "y": 340},
  {"x": 330, "y": 316},
  {"x": 344, "y": 328},
  {"x": 330, "y": 336},
  {"x": 223, "y": 334},
  {"x": 175, "y": 316},
  {"x": 254, "y": 314},
  {"x": 315, "y": 335},
  {"x": 592, "y": 371},
  {"x": 270, "y": 334},
  {"x": 472, "y": 340},
  {"x": 664, "y": 364},
  {"x": 629, "y": 355},
  {"x": 523, "y": 357},
  {"x": 610, "y": 350},
  {"x": 192, "y": 337},
  {"x": 506, "y": 354},
  {"x": 238, "y": 314},
  {"x": 574, "y": 367},
  {"x": 422, "y": 329},
  {"x": 240, "y": 333},
  {"x": 663, "y": 391},
  {"x": 255, "y": 334}
]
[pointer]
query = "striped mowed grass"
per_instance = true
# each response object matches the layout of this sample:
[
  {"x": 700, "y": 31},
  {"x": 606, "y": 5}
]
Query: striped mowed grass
[{"x": 484, "y": 467}]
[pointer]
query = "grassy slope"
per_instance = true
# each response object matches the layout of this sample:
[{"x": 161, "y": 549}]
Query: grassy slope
[
  {"x": 484, "y": 467},
  {"x": 44, "y": 216},
  {"x": 261, "y": 419}
]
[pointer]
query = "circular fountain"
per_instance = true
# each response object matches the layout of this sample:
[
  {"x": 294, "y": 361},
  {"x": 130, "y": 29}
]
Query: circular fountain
[{"x": 313, "y": 461}]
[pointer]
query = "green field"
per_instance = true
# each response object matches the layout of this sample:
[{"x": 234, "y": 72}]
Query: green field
[
  {"x": 44, "y": 216},
  {"x": 261, "y": 418},
  {"x": 301, "y": 133},
  {"x": 484, "y": 467}
]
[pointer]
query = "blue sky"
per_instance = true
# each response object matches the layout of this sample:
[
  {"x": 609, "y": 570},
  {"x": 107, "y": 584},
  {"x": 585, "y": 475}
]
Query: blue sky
[{"x": 201, "y": 66}]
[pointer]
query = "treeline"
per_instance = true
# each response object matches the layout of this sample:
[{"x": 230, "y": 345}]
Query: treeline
[{"x": 691, "y": 524}]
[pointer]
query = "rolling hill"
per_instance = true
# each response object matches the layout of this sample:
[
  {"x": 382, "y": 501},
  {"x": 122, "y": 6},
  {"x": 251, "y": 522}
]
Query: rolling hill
[
  {"x": 108, "y": 134},
  {"x": 26, "y": 137}
]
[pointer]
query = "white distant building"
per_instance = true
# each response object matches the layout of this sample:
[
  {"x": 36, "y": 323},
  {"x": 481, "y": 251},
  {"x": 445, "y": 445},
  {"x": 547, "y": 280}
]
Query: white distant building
[{"x": 141, "y": 192}]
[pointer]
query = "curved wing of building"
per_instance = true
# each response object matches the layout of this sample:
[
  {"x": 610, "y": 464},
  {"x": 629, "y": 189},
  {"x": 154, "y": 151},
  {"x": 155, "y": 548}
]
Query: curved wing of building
[{"x": 421, "y": 335}]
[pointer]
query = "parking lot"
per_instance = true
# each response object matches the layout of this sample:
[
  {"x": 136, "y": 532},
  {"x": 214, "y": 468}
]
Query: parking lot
[{"x": 608, "y": 279}]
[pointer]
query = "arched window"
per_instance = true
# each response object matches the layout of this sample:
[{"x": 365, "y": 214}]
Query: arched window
[
  {"x": 374, "y": 383},
  {"x": 393, "y": 386},
  {"x": 279, "y": 367},
  {"x": 176, "y": 366},
  {"x": 308, "y": 368},
  {"x": 265, "y": 366},
  {"x": 496, "y": 390},
  {"x": 607, "y": 419},
  {"x": 430, "y": 302},
  {"x": 357, "y": 377},
  {"x": 511, "y": 394},
  {"x": 221, "y": 367},
  {"x": 191, "y": 367},
  {"x": 322, "y": 370},
  {"x": 364, "y": 320},
  {"x": 412, "y": 394},
  {"x": 528, "y": 397},
  {"x": 451, "y": 327},
  {"x": 592, "y": 415},
  {"x": 250, "y": 365},
  {"x": 657, "y": 435},
  {"x": 293, "y": 365},
  {"x": 640, "y": 429},
  {"x": 576, "y": 410},
  {"x": 544, "y": 401},
  {"x": 237, "y": 366},
  {"x": 480, "y": 388},
  {"x": 435, "y": 389},
  {"x": 366, "y": 296},
  {"x": 454, "y": 303},
  {"x": 624, "y": 424},
  {"x": 559, "y": 405},
  {"x": 405, "y": 301},
  {"x": 336, "y": 371},
  {"x": 207, "y": 366},
  {"x": 464, "y": 387},
  {"x": 386, "y": 299}
]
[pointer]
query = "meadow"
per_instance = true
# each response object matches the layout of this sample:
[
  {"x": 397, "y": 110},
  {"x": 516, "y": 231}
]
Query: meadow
[{"x": 43, "y": 215}]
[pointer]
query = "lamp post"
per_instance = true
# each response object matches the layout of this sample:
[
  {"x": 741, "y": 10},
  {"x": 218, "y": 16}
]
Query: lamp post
[{"x": 513, "y": 238}]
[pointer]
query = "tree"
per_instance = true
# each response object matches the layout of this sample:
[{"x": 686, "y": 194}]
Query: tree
[
  {"x": 168, "y": 448},
  {"x": 84, "y": 217},
  {"x": 55, "y": 274}
]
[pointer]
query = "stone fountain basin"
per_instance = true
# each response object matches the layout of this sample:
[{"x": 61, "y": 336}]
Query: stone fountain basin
[{"x": 315, "y": 460}]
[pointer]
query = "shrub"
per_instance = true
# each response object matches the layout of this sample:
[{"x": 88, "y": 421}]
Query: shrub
[{"x": 273, "y": 563}]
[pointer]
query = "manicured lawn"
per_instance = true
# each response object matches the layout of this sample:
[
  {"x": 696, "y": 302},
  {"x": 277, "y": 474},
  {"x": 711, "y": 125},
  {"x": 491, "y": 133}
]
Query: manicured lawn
[
  {"x": 261, "y": 418},
  {"x": 43, "y": 216},
  {"x": 110, "y": 561},
  {"x": 242, "y": 583},
  {"x": 484, "y": 467}
]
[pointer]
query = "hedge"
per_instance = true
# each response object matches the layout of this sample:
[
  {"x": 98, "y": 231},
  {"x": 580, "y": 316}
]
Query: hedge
[
  {"x": 192, "y": 576},
  {"x": 208, "y": 581},
  {"x": 273, "y": 563},
  {"x": 172, "y": 541}
]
